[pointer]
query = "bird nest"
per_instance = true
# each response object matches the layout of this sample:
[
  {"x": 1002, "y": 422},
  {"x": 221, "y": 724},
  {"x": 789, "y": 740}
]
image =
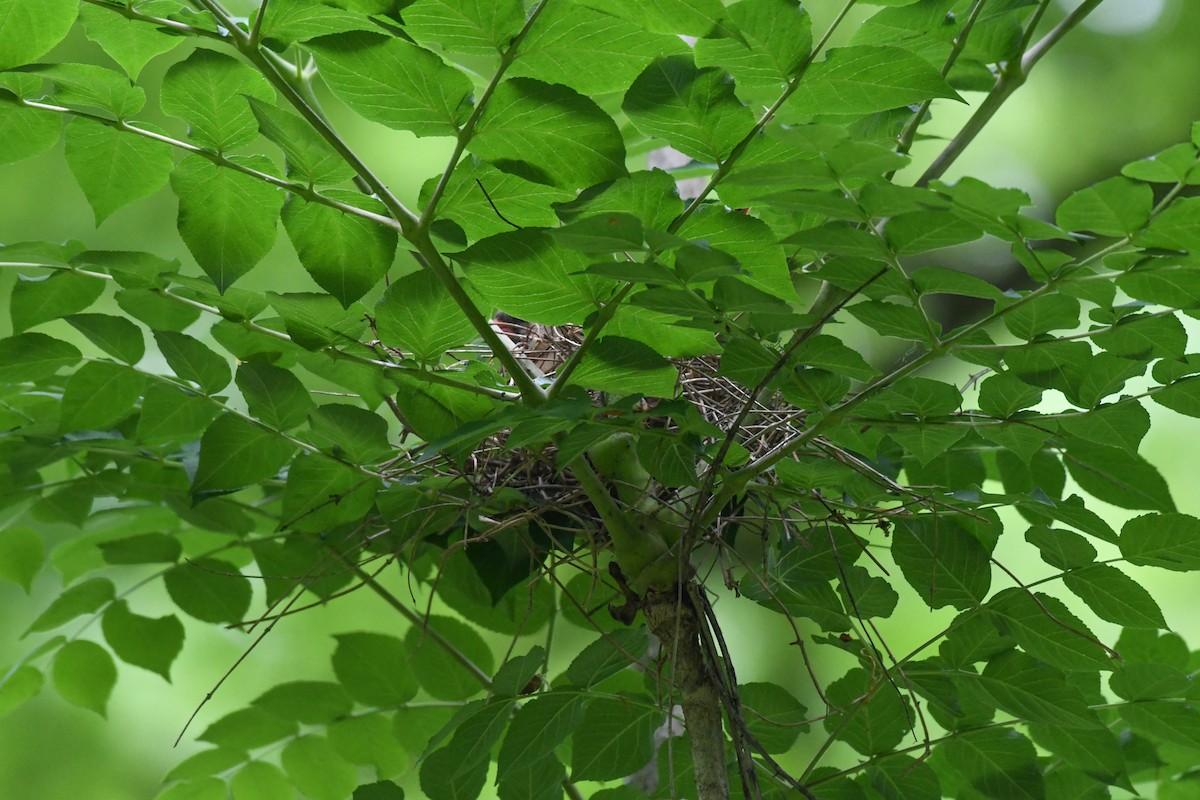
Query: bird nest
[{"x": 721, "y": 402}]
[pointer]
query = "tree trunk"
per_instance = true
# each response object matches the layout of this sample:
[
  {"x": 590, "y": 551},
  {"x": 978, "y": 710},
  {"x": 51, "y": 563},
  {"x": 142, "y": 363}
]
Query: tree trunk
[{"x": 674, "y": 620}]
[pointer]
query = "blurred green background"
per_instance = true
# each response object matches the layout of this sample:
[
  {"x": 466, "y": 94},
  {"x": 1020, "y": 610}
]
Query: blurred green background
[{"x": 1119, "y": 89}]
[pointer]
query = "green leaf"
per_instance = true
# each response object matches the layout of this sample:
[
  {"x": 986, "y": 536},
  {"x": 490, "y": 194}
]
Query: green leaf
[
  {"x": 606, "y": 656},
  {"x": 206, "y": 762},
  {"x": 38, "y": 300},
  {"x": 1175, "y": 228},
  {"x": 374, "y": 668},
  {"x": 996, "y": 763},
  {"x": 21, "y": 556},
  {"x": 204, "y": 788},
  {"x": 615, "y": 739},
  {"x": 1177, "y": 287},
  {"x": 147, "y": 642},
  {"x": 370, "y": 740},
  {"x": 274, "y": 395},
  {"x": 459, "y": 770},
  {"x": 773, "y": 715},
  {"x": 514, "y": 676},
  {"x": 1115, "y": 207},
  {"x": 540, "y": 779},
  {"x": 309, "y": 157},
  {"x": 874, "y": 717},
  {"x": 322, "y": 494},
  {"x": 20, "y": 684},
  {"x": 192, "y": 360},
  {"x": 866, "y": 595},
  {"x": 548, "y": 133},
  {"x": 528, "y": 275},
  {"x": 170, "y": 414},
  {"x": 440, "y": 674},
  {"x": 208, "y": 90},
  {"x": 345, "y": 254},
  {"x": 470, "y": 27},
  {"x": 99, "y": 395},
  {"x": 622, "y": 366},
  {"x": 33, "y": 356},
  {"x": 1122, "y": 424},
  {"x": 687, "y": 17},
  {"x": 592, "y": 52},
  {"x": 92, "y": 86},
  {"x": 942, "y": 561},
  {"x": 904, "y": 778},
  {"x": 483, "y": 201},
  {"x": 235, "y": 452},
  {"x": 602, "y": 234},
  {"x": 863, "y": 80},
  {"x": 143, "y": 548},
  {"x": 116, "y": 336},
  {"x": 418, "y": 315},
  {"x": 394, "y": 82},
  {"x": 26, "y": 132},
  {"x": 209, "y": 589},
  {"x": 316, "y": 769},
  {"x": 1046, "y": 630},
  {"x": 692, "y": 109},
  {"x": 1033, "y": 691},
  {"x": 156, "y": 310},
  {"x": 1170, "y": 541},
  {"x": 380, "y": 790},
  {"x": 540, "y": 726},
  {"x": 1062, "y": 549},
  {"x": 922, "y": 231},
  {"x": 84, "y": 674},
  {"x": 80, "y": 599},
  {"x": 260, "y": 780},
  {"x": 1170, "y": 166},
  {"x": 307, "y": 702},
  {"x": 775, "y": 39},
  {"x": 828, "y": 352},
  {"x": 1115, "y": 596},
  {"x": 28, "y": 31},
  {"x": 1094, "y": 751},
  {"x": 226, "y": 219},
  {"x": 301, "y": 20},
  {"x": 751, "y": 241},
  {"x": 1041, "y": 315},
  {"x": 1165, "y": 720},
  {"x": 130, "y": 43},
  {"x": 891, "y": 319},
  {"x": 1126, "y": 480},
  {"x": 362, "y": 435}
]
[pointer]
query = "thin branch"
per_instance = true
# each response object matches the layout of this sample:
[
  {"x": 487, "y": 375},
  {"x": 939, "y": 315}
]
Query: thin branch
[
  {"x": 216, "y": 158},
  {"x": 739, "y": 149},
  {"x": 449, "y": 647},
  {"x": 1011, "y": 78},
  {"x": 241, "y": 39},
  {"x": 467, "y": 131},
  {"x": 910, "y": 131}
]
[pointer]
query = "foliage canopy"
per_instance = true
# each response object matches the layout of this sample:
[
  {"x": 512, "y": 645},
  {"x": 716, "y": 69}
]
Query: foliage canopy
[{"x": 564, "y": 392}]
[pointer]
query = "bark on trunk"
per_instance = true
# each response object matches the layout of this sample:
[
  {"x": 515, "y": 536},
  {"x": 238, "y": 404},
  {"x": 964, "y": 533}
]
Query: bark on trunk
[{"x": 673, "y": 619}]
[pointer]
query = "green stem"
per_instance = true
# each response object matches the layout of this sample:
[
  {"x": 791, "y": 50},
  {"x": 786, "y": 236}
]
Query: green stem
[{"x": 167, "y": 24}]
